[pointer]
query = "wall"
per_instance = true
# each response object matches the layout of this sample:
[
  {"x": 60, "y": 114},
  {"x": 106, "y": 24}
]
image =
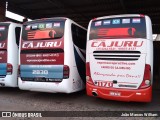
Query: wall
[
  {"x": 2, "y": 10},
  {"x": 156, "y": 65}
]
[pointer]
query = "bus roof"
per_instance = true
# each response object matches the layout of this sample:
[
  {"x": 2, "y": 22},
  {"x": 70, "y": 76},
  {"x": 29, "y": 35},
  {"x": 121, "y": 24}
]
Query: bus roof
[
  {"x": 114, "y": 16},
  {"x": 53, "y": 18}
]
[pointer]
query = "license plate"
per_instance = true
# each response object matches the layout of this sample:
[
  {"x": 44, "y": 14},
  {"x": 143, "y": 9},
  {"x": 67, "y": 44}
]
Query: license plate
[
  {"x": 40, "y": 79},
  {"x": 115, "y": 93}
]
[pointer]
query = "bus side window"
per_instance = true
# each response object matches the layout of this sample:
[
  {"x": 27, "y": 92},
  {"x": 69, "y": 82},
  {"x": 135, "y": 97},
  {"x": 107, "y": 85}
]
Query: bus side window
[
  {"x": 17, "y": 33},
  {"x": 79, "y": 36}
]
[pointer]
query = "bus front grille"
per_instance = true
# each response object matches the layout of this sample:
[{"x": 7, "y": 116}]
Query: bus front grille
[{"x": 117, "y": 55}]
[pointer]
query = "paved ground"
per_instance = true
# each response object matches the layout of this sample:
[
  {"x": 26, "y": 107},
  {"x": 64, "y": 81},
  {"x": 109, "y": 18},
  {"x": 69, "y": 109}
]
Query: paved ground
[{"x": 12, "y": 99}]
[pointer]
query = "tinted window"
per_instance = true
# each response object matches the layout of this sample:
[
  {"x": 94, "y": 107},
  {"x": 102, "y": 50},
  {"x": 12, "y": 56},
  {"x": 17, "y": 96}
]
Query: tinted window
[
  {"x": 43, "y": 30},
  {"x": 17, "y": 32},
  {"x": 4, "y": 31},
  {"x": 79, "y": 36},
  {"x": 126, "y": 27}
]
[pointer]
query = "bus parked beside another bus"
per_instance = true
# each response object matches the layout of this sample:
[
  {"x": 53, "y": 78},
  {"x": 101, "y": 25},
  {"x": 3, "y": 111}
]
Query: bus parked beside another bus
[
  {"x": 9, "y": 43},
  {"x": 52, "y": 56},
  {"x": 120, "y": 58}
]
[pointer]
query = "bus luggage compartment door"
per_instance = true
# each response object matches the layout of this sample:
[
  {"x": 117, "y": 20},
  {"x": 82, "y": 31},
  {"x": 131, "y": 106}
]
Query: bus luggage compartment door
[
  {"x": 3, "y": 69},
  {"x": 41, "y": 73}
]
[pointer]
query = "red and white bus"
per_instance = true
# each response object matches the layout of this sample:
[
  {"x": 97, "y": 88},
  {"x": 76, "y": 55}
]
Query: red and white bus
[
  {"x": 52, "y": 56},
  {"x": 9, "y": 43},
  {"x": 119, "y": 62}
]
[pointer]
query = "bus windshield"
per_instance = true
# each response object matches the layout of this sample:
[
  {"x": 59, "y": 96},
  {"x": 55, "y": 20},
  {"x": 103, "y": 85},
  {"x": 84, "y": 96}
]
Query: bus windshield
[
  {"x": 44, "y": 30},
  {"x": 3, "y": 31},
  {"x": 115, "y": 28}
]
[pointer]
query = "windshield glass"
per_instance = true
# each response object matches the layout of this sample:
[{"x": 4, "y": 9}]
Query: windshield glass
[
  {"x": 3, "y": 31},
  {"x": 116, "y": 28}
]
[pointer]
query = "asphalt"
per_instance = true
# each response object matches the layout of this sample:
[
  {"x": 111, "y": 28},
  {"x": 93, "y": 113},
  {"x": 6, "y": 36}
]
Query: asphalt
[{"x": 13, "y": 99}]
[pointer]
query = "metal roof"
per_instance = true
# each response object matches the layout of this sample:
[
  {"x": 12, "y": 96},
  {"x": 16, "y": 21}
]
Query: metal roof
[{"x": 82, "y": 11}]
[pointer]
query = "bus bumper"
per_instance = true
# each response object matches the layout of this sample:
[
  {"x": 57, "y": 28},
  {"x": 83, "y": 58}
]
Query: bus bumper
[
  {"x": 140, "y": 95},
  {"x": 51, "y": 87}
]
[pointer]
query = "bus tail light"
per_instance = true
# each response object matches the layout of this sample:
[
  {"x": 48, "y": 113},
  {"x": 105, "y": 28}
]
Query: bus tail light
[
  {"x": 147, "y": 77},
  {"x": 141, "y": 15},
  {"x": 88, "y": 74},
  {"x": 89, "y": 80},
  {"x": 9, "y": 69},
  {"x": 65, "y": 71},
  {"x": 94, "y": 19}
]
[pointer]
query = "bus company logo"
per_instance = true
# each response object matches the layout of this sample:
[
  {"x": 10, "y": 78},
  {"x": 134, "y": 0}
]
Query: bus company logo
[
  {"x": 41, "y": 26},
  {"x": 2, "y": 45},
  {"x": 41, "y": 44},
  {"x": 116, "y": 21},
  {"x": 124, "y": 21},
  {"x": 98, "y": 23},
  {"x": 56, "y": 24},
  {"x": 48, "y": 25},
  {"x": 34, "y": 27},
  {"x": 136, "y": 20},
  {"x": 106, "y": 22},
  {"x": 28, "y": 27},
  {"x": 118, "y": 44}
]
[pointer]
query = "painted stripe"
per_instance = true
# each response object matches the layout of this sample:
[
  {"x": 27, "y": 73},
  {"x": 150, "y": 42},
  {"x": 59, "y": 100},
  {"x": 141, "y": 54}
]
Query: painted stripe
[
  {"x": 42, "y": 51},
  {"x": 115, "y": 57},
  {"x": 132, "y": 52},
  {"x": 127, "y": 82},
  {"x": 118, "y": 55},
  {"x": 117, "y": 82},
  {"x": 113, "y": 54}
]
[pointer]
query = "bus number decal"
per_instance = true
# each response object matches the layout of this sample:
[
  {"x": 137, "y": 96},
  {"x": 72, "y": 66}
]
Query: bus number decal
[
  {"x": 44, "y": 72},
  {"x": 104, "y": 84}
]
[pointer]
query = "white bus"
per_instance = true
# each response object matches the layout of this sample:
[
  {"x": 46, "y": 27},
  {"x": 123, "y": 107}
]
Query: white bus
[
  {"x": 120, "y": 58},
  {"x": 52, "y": 56},
  {"x": 9, "y": 42}
]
